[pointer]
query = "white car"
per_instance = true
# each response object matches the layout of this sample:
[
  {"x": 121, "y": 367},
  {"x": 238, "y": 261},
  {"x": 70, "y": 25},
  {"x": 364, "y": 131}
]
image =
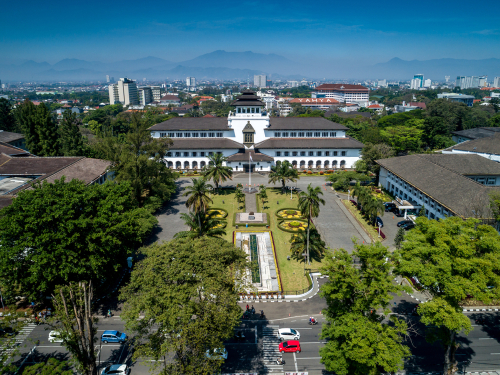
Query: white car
[
  {"x": 285, "y": 334},
  {"x": 219, "y": 353},
  {"x": 54, "y": 336},
  {"x": 116, "y": 370}
]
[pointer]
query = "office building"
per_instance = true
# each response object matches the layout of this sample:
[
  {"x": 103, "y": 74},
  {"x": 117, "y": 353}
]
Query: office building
[
  {"x": 306, "y": 142},
  {"x": 483, "y": 81},
  {"x": 260, "y": 81},
  {"x": 460, "y": 98},
  {"x": 343, "y": 93},
  {"x": 156, "y": 92},
  {"x": 124, "y": 92},
  {"x": 382, "y": 83},
  {"x": 145, "y": 95},
  {"x": 427, "y": 83},
  {"x": 496, "y": 82},
  {"x": 190, "y": 82},
  {"x": 293, "y": 83},
  {"x": 421, "y": 78},
  {"x": 107, "y": 78},
  {"x": 415, "y": 84},
  {"x": 471, "y": 82}
]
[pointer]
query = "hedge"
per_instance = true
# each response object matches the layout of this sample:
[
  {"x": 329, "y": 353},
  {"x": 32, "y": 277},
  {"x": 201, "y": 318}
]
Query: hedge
[
  {"x": 244, "y": 225},
  {"x": 219, "y": 209},
  {"x": 280, "y": 226},
  {"x": 285, "y": 208}
]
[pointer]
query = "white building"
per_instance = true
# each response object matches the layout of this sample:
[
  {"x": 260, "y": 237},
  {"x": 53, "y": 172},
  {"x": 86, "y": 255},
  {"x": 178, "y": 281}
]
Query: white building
[
  {"x": 156, "y": 92},
  {"x": 446, "y": 185},
  {"x": 145, "y": 95},
  {"x": 343, "y": 93},
  {"x": 496, "y": 82},
  {"x": 487, "y": 147},
  {"x": 460, "y": 98},
  {"x": 415, "y": 84},
  {"x": 260, "y": 81},
  {"x": 293, "y": 83},
  {"x": 306, "y": 142},
  {"x": 382, "y": 83},
  {"x": 124, "y": 92},
  {"x": 190, "y": 81},
  {"x": 427, "y": 83}
]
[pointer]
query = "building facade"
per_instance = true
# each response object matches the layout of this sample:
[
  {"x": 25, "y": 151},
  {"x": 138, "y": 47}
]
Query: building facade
[
  {"x": 145, "y": 95},
  {"x": 124, "y": 92},
  {"x": 190, "y": 81},
  {"x": 306, "y": 142},
  {"x": 460, "y": 98},
  {"x": 343, "y": 93},
  {"x": 260, "y": 81}
]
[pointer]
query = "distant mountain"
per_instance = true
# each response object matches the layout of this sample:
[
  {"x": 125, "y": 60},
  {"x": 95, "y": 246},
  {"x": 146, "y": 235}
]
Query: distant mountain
[
  {"x": 435, "y": 69},
  {"x": 271, "y": 63}
]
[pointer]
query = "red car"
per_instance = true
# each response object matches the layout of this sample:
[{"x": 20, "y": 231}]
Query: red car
[{"x": 290, "y": 346}]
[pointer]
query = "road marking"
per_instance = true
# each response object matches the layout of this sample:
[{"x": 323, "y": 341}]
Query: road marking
[
  {"x": 309, "y": 358},
  {"x": 290, "y": 317},
  {"x": 485, "y": 338},
  {"x": 313, "y": 342},
  {"x": 295, "y": 360},
  {"x": 495, "y": 353}
]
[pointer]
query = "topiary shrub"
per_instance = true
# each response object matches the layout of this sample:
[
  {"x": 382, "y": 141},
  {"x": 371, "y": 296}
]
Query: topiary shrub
[
  {"x": 321, "y": 173},
  {"x": 294, "y": 224},
  {"x": 309, "y": 172}
]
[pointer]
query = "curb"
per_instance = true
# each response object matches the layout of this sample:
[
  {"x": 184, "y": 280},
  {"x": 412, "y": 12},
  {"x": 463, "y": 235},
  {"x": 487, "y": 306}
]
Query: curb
[{"x": 465, "y": 310}]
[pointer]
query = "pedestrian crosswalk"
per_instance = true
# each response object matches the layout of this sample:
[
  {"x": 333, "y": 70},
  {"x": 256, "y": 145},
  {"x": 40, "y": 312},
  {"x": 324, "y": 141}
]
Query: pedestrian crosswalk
[
  {"x": 270, "y": 348},
  {"x": 19, "y": 339}
]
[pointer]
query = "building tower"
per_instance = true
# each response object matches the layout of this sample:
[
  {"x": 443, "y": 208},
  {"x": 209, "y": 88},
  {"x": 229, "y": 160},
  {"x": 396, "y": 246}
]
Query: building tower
[{"x": 125, "y": 92}]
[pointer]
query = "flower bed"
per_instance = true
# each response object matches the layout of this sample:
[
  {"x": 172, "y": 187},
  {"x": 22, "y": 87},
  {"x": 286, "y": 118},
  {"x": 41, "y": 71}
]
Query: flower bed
[
  {"x": 221, "y": 213},
  {"x": 289, "y": 213},
  {"x": 293, "y": 226}
]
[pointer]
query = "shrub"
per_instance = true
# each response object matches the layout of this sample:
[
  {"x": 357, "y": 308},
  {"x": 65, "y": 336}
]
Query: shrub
[
  {"x": 290, "y": 212},
  {"x": 195, "y": 172},
  {"x": 294, "y": 224},
  {"x": 309, "y": 172},
  {"x": 321, "y": 173}
]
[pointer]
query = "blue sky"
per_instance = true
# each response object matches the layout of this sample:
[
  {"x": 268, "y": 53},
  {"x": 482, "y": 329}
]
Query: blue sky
[{"x": 303, "y": 31}]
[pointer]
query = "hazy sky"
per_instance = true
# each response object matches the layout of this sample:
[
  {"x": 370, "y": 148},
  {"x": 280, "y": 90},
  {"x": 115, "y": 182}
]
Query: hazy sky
[{"x": 299, "y": 30}]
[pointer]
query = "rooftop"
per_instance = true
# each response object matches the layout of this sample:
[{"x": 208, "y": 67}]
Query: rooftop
[
  {"x": 486, "y": 145},
  {"x": 192, "y": 123},
  {"x": 247, "y": 98},
  {"x": 301, "y": 143},
  {"x": 204, "y": 144},
  {"x": 323, "y": 101},
  {"x": 302, "y": 123},
  {"x": 341, "y": 87},
  {"x": 476, "y": 132},
  {"x": 244, "y": 156},
  {"x": 9, "y": 137}
]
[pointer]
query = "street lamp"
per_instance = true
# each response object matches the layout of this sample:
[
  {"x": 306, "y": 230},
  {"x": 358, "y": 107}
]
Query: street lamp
[
  {"x": 348, "y": 192},
  {"x": 304, "y": 255}
]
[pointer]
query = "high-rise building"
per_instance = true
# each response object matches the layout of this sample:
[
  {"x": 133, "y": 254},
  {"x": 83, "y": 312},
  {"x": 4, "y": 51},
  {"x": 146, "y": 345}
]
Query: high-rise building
[
  {"x": 155, "y": 90},
  {"x": 496, "y": 82},
  {"x": 125, "y": 92},
  {"x": 382, "y": 83},
  {"x": 293, "y": 83},
  {"x": 145, "y": 95},
  {"x": 107, "y": 78},
  {"x": 483, "y": 81},
  {"x": 260, "y": 80},
  {"x": 190, "y": 81},
  {"x": 415, "y": 84},
  {"x": 421, "y": 78},
  {"x": 427, "y": 83},
  {"x": 471, "y": 82}
]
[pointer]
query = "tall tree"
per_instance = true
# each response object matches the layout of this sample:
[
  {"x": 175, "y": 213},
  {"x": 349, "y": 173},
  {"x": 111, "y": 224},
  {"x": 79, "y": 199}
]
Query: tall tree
[
  {"x": 358, "y": 340},
  {"x": 25, "y": 115},
  {"x": 216, "y": 171},
  {"x": 400, "y": 237},
  {"x": 47, "y": 132},
  {"x": 198, "y": 200},
  {"x": 187, "y": 292},
  {"x": 299, "y": 245},
  {"x": 139, "y": 159},
  {"x": 202, "y": 224},
  {"x": 7, "y": 120},
  {"x": 373, "y": 208},
  {"x": 309, "y": 206},
  {"x": 452, "y": 259},
  {"x": 372, "y": 152},
  {"x": 70, "y": 137},
  {"x": 283, "y": 172}
]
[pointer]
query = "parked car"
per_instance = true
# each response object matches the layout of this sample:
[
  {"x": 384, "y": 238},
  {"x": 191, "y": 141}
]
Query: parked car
[
  {"x": 116, "y": 370},
  {"x": 218, "y": 353},
  {"x": 408, "y": 226},
  {"x": 285, "y": 334},
  {"x": 289, "y": 346},
  {"x": 404, "y": 222},
  {"x": 55, "y": 336},
  {"x": 113, "y": 336},
  {"x": 389, "y": 206},
  {"x": 380, "y": 223}
]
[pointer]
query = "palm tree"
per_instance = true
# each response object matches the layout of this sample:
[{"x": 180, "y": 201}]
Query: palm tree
[
  {"x": 201, "y": 224},
  {"x": 198, "y": 200},
  {"x": 216, "y": 171},
  {"x": 239, "y": 195},
  {"x": 283, "y": 172},
  {"x": 299, "y": 245},
  {"x": 263, "y": 196},
  {"x": 374, "y": 207},
  {"x": 309, "y": 206}
]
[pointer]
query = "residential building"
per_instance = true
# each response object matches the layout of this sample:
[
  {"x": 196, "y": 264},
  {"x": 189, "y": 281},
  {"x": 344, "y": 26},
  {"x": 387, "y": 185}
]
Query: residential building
[
  {"x": 190, "y": 82},
  {"x": 13, "y": 139},
  {"x": 496, "y": 82},
  {"x": 460, "y": 98},
  {"x": 156, "y": 92},
  {"x": 487, "y": 147},
  {"x": 382, "y": 83},
  {"x": 169, "y": 99},
  {"x": 145, "y": 95},
  {"x": 460, "y": 136},
  {"x": 107, "y": 78},
  {"x": 124, "y": 92},
  {"x": 343, "y": 93},
  {"x": 19, "y": 171},
  {"x": 260, "y": 81},
  {"x": 483, "y": 81},
  {"x": 306, "y": 142},
  {"x": 446, "y": 185},
  {"x": 406, "y": 107}
]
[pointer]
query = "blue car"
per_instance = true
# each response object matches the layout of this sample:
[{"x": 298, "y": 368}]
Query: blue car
[{"x": 113, "y": 336}]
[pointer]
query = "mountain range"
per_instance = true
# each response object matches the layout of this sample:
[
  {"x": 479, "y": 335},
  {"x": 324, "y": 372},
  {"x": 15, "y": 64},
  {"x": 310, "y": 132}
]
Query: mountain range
[{"x": 242, "y": 66}]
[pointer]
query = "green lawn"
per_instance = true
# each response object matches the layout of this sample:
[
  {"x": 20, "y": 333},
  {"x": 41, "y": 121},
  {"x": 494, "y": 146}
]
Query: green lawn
[
  {"x": 226, "y": 200},
  {"x": 372, "y": 232}
]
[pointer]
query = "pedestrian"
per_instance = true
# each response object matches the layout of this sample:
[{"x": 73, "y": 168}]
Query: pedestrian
[
  {"x": 253, "y": 310},
  {"x": 248, "y": 307}
]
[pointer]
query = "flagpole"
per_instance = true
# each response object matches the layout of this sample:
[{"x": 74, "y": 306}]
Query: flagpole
[{"x": 249, "y": 171}]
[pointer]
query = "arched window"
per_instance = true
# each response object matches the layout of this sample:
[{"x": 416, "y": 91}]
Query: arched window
[
  {"x": 178, "y": 164},
  {"x": 195, "y": 164},
  {"x": 202, "y": 164},
  {"x": 327, "y": 163},
  {"x": 310, "y": 163},
  {"x": 170, "y": 164},
  {"x": 318, "y": 162},
  {"x": 294, "y": 163},
  {"x": 186, "y": 165},
  {"x": 342, "y": 163}
]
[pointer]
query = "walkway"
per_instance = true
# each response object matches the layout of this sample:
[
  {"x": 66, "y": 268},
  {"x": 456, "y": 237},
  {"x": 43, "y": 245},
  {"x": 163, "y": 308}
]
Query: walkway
[{"x": 250, "y": 202}]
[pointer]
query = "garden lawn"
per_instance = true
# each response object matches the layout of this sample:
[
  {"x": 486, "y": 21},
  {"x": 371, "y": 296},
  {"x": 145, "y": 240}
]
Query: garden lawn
[
  {"x": 227, "y": 200},
  {"x": 372, "y": 232}
]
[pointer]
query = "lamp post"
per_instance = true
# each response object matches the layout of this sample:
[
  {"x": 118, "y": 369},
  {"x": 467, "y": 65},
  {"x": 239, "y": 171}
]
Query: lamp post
[
  {"x": 378, "y": 229},
  {"x": 304, "y": 255},
  {"x": 348, "y": 192}
]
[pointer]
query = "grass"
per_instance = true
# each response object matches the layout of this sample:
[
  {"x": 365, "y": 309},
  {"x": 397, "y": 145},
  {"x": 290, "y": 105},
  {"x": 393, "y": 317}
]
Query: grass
[
  {"x": 372, "y": 232},
  {"x": 227, "y": 200}
]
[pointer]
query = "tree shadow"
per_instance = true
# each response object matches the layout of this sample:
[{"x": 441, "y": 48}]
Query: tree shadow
[{"x": 35, "y": 357}]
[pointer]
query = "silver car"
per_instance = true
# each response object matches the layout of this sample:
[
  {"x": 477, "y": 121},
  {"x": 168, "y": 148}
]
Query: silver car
[{"x": 285, "y": 334}]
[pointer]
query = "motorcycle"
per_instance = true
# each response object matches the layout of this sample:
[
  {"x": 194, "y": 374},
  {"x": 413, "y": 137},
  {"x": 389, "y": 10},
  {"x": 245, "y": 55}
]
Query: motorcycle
[
  {"x": 280, "y": 361},
  {"x": 239, "y": 335},
  {"x": 313, "y": 322}
]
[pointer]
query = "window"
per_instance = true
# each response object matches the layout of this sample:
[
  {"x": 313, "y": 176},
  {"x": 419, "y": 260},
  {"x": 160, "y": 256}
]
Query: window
[
  {"x": 324, "y": 134},
  {"x": 210, "y": 153},
  {"x": 186, "y": 153},
  {"x": 335, "y": 153},
  {"x": 195, "y": 135},
  {"x": 239, "y": 110},
  {"x": 311, "y": 153},
  {"x": 285, "y": 134},
  {"x": 202, "y": 153},
  {"x": 177, "y": 154},
  {"x": 301, "y": 134},
  {"x": 491, "y": 181},
  {"x": 309, "y": 134},
  {"x": 253, "y": 110},
  {"x": 277, "y": 134},
  {"x": 178, "y": 135},
  {"x": 211, "y": 135},
  {"x": 287, "y": 153},
  {"x": 278, "y": 153},
  {"x": 319, "y": 153},
  {"x": 293, "y": 134},
  {"x": 171, "y": 135},
  {"x": 195, "y": 154},
  {"x": 248, "y": 137},
  {"x": 203, "y": 135},
  {"x": 333, "y": 134},
  {"x": 327, "y": 153},
  {"x": 343, "y": 153},
  {"x": 317, "y": 134},
  {"x": 187, "y": 135},
  {"x": 294, "y": 153},
  {"x": 302, "y": 153},
  {"x": 163, "y": 134},
  {"x": 169, "y": 154},
  {"x": 219, "y": 135}
]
